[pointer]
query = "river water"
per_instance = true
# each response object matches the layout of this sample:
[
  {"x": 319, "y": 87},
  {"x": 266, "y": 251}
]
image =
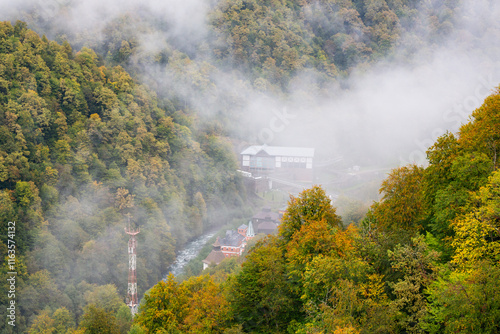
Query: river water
[{"x": 189, "y": 252}]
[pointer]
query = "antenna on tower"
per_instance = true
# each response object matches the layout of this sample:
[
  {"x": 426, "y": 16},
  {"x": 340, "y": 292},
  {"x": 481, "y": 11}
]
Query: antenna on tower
[{"x": 132, "y": 277}]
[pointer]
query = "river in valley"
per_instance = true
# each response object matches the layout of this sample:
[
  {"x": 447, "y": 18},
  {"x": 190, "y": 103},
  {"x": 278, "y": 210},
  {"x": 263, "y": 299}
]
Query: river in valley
[{"x": 189, "y": 252}]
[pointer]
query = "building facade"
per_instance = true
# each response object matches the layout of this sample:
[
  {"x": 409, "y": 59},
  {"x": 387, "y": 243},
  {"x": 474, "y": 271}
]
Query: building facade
[
  {"x": 266, "y": 221},
  {"x": 233, "y": 244},
  {"x": 292, "y": 163}
]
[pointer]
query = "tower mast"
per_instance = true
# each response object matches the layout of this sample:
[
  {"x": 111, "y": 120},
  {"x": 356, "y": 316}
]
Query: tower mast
[{"x": 132, "y": 277}]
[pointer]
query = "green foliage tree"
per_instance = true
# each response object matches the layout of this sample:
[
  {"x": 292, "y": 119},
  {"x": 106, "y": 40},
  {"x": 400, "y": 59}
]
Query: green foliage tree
[
  {"x": 124, "y": 319},
  {"x": 105, "y": 297},
  {"x": 448, "y": 180},
  {"x": 193, "y": 306},
  {"x": 261, "y": 298},
  {"x": 64, "y": 321},
  {"x": 61, "y": 321},
  {"x": 417, "y": 263},
  {"x": 465, "y": 302},
  {"x": 43, "y": 324},
  {"x": 136, "y": 329},
  {"x": 402, "y": 205},
  {"x": 97, "y": 320}
]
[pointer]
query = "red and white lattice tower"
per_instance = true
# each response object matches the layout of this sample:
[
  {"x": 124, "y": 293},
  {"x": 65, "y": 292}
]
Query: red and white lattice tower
[{"x": 132, "y": 277}]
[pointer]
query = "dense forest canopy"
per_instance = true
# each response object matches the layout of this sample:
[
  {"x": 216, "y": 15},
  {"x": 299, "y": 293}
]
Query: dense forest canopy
[
  {"x": 236, "y": 63},
  {"x": 113, "y": 112},
  {"x": 83, "y": 149}
]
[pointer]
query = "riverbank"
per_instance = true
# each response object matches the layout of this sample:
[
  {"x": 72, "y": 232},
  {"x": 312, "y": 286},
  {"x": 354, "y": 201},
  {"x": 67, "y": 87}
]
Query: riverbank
[{"x": 190, "y": 251}]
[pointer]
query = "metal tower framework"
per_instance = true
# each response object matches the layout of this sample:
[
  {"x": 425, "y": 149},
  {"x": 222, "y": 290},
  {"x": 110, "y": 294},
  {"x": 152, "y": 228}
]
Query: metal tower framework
[{"x": 132, "y": 277}]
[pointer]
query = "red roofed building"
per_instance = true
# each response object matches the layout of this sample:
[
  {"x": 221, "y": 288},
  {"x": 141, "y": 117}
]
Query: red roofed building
[{"x": 233, "y": 244}]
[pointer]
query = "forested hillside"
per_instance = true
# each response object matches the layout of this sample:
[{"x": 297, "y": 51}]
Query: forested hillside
[
  {"x": 82, "y": 148},
  {"x": 275, "y": 40},
  {"x": 233, "y": 63},
  {"x": 424, "y": 260}
]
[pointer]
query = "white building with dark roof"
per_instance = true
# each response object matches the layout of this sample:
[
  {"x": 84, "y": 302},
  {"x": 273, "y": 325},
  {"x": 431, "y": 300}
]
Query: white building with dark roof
[{"x": 295, "y": 163}]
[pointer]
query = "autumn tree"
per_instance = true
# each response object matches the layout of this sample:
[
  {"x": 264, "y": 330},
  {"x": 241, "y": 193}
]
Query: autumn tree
[
  {"x": 477, "y": 231},
  {"x": 260, "y": 295},
  {"x": 312, "y": 205},
  {"x": 465, "y": 302},
  {"x": 43, "y": 324},
  {"x": 61, "y": 321},
  {"x": 482, "y": 133},
  {"x": 197, "y": 305},
  {"x": 164, "y": 306},
  {"x": 417, "y": 263},
  {"x": 97, "y": 320},
  {"x": 339, "y": 284},
  {"x": 402, "y": 205},
  {"x": 313, "y": 239}
]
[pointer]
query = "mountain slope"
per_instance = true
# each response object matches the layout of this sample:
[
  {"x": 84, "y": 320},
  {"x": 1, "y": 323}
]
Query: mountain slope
[{"x": 82, "y": 148}]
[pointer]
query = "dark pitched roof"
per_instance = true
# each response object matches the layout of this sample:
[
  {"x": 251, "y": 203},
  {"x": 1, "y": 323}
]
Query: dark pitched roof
[
  {"x": 267, "y": 225},
  {"x": 214, "y": 257},
  {"x": 232, "y": 239},
  {"x": 264, "y": 214},
  {"x": 279, "y": 151},
  {"x": 242, "y": 227}
]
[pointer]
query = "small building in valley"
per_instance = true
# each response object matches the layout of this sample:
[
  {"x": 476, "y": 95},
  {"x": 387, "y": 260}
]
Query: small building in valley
[
  {"x": 233, "y": 244},
  {"x": 266, "y": 221},
  {"x": 266, "y": 214},
  {"x": 267, "y": 227},
  {"x": 215, "y": 257},
  {"x": 292, "y": 163}
]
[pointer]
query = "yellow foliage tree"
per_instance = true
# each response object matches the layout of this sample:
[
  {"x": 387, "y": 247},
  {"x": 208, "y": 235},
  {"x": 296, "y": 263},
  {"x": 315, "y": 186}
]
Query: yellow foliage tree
[
  {"x": 402, "y": 204},
  {"x": 477, "y": 232}
]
